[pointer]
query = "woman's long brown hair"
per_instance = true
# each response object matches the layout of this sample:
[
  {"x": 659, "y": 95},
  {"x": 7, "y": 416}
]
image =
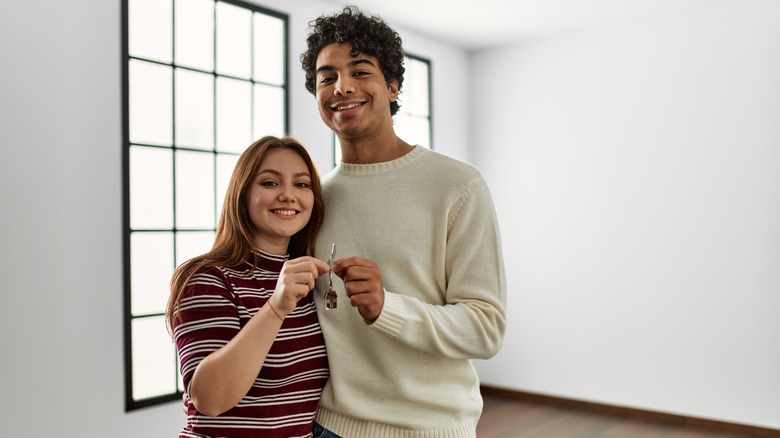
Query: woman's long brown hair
[{"x": 234, "y": 240}]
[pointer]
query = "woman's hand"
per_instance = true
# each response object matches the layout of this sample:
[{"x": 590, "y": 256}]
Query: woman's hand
[{"x": 295, "y": 281}]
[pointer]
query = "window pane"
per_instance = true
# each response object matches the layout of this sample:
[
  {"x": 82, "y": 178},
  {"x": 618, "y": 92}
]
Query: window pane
[
  {"x": 416, "y": 96},
  {"x": 269, "y": 45},
  {"x": 179, "y": 381},
  {"x": 225, "y": 166},
  {"x": 233, "y": 40},
  {"x": 151, "y": 268},
  {"x": 150, "y": 103},
  {"x": 192, "y": 243},
  {"x": 151, "y": 188},
  {"x": 195, "y": 34},
  {"x": 234, "y": 115},
  {"x": 414, "y": 129},
  {"x": 194, "y": 190},
  {"x": 154, "y": 358},
  {"x": 337, "y": 145},
  {"x": 149, "y": 33},
  {"x": 269, "y": 111},
  {"x": 194, "y": 109},
  {"x": 401, "y": 123}
]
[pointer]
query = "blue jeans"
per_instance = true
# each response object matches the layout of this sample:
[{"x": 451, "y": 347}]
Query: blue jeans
[{"x": 321, "y": 432}]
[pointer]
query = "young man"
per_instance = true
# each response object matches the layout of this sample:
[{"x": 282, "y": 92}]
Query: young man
[{"x": 422, "y": 287}]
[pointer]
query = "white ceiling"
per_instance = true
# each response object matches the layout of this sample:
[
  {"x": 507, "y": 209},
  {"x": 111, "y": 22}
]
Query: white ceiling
[{"x": 480, "y": 24}]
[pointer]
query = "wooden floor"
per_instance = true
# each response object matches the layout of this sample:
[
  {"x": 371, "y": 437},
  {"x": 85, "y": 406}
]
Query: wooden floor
[{"x": 505, "y": 416}]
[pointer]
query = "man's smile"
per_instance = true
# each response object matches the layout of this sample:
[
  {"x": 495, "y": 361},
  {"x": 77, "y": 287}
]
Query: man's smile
[{"x": 346, "y": 106}]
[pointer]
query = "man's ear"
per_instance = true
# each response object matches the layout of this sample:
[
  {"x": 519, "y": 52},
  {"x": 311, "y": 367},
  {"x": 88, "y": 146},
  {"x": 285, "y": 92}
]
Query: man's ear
[{"x": 393, "y": 87}]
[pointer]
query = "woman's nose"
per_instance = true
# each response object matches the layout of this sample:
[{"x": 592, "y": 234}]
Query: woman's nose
[{"x": 286, "y": 194}]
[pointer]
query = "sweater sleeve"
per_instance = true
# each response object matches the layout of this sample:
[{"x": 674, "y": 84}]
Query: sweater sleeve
[{"x": 471, "y": 322}]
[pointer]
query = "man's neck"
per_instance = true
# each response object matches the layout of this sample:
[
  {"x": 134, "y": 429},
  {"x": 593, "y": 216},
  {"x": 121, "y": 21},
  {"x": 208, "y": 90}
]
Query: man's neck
[{"x": 369, "y": 150}]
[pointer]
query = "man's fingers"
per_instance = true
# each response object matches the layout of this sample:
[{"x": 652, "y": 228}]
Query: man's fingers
[
  {"x": 368, "y": 304},
  {"x": 360, "y": 286},
  {"x": 359, "y": 273},
  {"x": 349, "y": 263}
]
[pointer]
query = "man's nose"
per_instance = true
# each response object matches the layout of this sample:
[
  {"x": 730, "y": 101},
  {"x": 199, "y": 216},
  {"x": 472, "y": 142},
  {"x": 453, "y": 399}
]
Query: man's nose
[{"x": 344, "y": 85}]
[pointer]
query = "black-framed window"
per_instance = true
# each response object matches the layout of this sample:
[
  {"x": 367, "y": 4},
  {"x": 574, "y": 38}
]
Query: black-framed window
[
  {"x": 202, "y": 79},
  {"x": 413, "y": 122}
]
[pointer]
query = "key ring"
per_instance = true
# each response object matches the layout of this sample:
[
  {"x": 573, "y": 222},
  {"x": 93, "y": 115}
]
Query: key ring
[
  {"x": 330, "y": 262},
  {"x": 330, "y": 295}
]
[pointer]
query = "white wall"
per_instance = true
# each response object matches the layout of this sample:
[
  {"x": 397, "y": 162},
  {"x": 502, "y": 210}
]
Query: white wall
[
  {"x": 61, "y": 335},
  {"x": 636, "y": 170}
]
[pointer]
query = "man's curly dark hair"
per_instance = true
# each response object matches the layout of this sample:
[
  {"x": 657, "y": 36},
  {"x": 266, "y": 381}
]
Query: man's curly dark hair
[{"x": 367, "y": 34}]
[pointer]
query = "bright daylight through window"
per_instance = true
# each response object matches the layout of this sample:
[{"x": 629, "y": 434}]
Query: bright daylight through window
[{"x": 202, "y": 80}]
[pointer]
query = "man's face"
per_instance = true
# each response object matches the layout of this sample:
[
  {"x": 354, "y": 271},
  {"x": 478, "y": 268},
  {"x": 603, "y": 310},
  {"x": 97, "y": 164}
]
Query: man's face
[{"x": 352, "y": 94}]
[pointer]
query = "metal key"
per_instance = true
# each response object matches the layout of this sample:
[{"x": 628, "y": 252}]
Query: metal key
[{"x": 330, "y": 295}]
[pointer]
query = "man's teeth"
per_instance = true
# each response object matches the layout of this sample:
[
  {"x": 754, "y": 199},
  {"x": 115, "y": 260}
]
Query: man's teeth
[
  {"x": 285, "y": 212},
  {"x": 346, "y": 107}
]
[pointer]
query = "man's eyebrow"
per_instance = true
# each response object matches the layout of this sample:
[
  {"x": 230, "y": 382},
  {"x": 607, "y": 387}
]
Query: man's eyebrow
[
  {"x": 360, "y": 61},
  {"x": 350, "y": 64}
]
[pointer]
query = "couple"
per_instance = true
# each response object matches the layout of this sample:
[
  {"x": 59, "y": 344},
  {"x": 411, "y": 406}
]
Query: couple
[{"x": 420, "y": 285}]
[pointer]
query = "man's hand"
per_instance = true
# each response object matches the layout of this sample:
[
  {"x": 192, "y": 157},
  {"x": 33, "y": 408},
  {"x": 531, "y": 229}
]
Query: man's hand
[{"x": 363, "y": 283}]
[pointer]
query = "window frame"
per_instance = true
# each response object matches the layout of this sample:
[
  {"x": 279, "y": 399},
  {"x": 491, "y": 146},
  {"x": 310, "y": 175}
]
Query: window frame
[
  {"x": 430, "y": 93},
  {"x": 131, "y": 403}
]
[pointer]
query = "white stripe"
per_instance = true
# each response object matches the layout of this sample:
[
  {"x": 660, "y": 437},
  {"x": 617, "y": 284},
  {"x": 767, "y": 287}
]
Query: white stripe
[
  {"x": 251, "y": 423},
  {"x": 300, "y": 377},
  {"x": 189, "y": 327}
]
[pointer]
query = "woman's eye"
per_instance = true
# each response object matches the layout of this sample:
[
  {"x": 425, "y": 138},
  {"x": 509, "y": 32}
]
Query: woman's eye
[
  {"x": 302, "y": 185},
  {"x": 269, "y": 184}
]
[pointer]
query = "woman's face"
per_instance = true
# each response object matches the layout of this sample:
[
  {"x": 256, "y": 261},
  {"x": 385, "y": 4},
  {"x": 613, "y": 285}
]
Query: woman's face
[{"x": 280, "y": 199}]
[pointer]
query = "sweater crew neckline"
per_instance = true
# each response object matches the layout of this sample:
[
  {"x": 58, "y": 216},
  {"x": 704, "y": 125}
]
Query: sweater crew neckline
[{"x": 352, "y": 169}]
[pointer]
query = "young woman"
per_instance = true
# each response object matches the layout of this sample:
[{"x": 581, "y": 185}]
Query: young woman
[{"x": 252, "y": 356}]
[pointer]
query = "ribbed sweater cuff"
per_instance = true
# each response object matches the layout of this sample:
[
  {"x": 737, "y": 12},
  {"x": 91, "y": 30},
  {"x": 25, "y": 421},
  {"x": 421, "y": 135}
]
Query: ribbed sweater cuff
[{"x": 391, "y": 320}]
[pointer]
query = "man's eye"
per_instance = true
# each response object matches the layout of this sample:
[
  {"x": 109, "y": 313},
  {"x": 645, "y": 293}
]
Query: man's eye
[{"x": 326, "y": 80}]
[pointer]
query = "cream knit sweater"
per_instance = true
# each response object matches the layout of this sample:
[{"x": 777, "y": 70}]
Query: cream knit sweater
[{"x": 428, "y": 221}]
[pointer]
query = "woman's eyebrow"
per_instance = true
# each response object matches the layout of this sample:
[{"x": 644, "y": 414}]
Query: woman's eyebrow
[
  {"x": 262, "y": 171},
  {"x": 276, "y": 172}
]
